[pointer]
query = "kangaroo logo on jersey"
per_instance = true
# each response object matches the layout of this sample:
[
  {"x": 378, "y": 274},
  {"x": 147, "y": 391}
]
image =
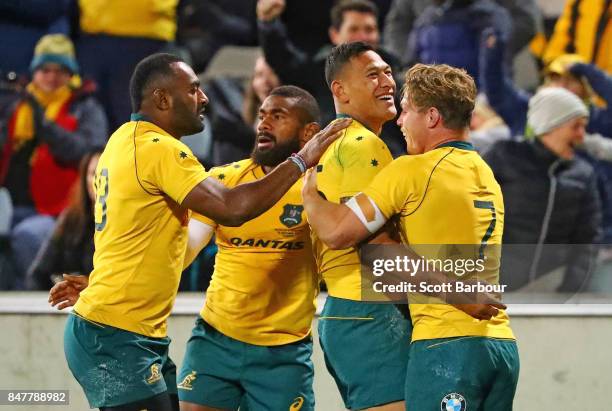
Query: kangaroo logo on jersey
[
  {"x": 155, "y": 374},
  {"x": 453, "y": 402},
  {"x": 187, "y": 382},
  {"x": 292, "y": 215},
  {"x": 296, "y": 404}
]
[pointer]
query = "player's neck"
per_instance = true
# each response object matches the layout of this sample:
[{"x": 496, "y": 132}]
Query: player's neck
[
  {"x": 160, "y": 121},
  {"x": 372, "y": 124},
  {"x": 445, "y": 135}
]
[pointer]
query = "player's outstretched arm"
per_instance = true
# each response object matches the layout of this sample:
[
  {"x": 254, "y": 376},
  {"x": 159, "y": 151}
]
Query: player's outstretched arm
[
  {"x": 233, "y": 207},
  {"x": 335, "y": 224}
]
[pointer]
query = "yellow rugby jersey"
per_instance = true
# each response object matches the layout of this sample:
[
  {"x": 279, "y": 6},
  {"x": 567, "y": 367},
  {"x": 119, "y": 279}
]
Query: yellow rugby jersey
[
  {"x": 445, "y": 196},
  {"x": 141, "y": 230},
  {"x": 345, "y": 169},
  {"x": 154, "y": 19},
  {"x": 264, "y": 284}
]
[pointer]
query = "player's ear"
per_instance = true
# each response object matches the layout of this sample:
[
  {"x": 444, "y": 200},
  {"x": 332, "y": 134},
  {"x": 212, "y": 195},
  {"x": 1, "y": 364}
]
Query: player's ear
[
  {"x": 433, "y": 117},
  {"x": 337, "y": 89},
  {"x": 334, "y": 36},
  {"x": 308, "y": 132},
  {"x": 162, "y": 99}
]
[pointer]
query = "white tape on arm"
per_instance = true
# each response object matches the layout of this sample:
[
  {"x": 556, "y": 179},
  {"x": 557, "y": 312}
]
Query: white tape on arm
[
  {"x": 367, "y": 211},
  {"x": 199, "y": 234}
]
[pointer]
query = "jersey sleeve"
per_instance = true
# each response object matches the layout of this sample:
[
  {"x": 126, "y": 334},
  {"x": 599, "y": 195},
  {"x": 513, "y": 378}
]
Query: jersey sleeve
[
  {"x": 224, "y": 174},
  {"x": 361, "y": 158},
  {"x": 394, "y": 189},
  {"x": 169, "y": 166}
]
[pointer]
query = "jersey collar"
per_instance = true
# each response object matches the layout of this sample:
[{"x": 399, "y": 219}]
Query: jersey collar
[
  {"x": 148, "y": 125},
  {"x": 342, "y": 115},
  {"x": 138, "y": 117},
  {"x": 463, "y": 145}
]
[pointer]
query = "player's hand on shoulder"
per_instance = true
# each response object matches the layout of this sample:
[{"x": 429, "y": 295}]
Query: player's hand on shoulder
[
  {"x": 316, "y": 146},
  {"x": 66, "y": 292}
]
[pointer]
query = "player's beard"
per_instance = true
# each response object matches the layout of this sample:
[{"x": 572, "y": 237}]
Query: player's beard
[
  {"x": 186, "y": 121},
  {"x": 277, "y": 154}
]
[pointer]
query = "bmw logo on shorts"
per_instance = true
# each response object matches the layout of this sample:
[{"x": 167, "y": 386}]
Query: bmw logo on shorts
[{"x": 453, "y": 402}]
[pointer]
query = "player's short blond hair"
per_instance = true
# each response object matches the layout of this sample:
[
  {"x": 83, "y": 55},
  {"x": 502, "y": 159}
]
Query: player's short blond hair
[{"x": 450, "y": 90}]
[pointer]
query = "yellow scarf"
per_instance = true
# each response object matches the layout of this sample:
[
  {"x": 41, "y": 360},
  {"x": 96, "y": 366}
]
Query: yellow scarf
[{"x": 23, "y": 130}]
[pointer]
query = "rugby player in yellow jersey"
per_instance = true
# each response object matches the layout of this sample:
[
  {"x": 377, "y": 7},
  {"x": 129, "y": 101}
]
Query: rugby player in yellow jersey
[
  {"x": 147, "y": 182},
  {"x": 251, "y": 345},
  {"x": 443, "y": 193},
  {"x": 365, "y": 344}
]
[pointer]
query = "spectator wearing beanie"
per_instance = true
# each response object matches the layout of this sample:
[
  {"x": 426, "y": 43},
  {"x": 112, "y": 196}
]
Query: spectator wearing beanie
[
  {"x": 572, "y": 73},
  {"x": 550, "y": 194},
  {"x": 50, "y": 128}
]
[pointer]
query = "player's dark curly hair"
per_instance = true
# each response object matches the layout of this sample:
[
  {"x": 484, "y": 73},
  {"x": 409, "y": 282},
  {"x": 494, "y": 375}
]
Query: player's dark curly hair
[
  {"x": 305, "y": 102},
  {"x": 147, "y": 72},
  {"x": 340, "y": 55}
]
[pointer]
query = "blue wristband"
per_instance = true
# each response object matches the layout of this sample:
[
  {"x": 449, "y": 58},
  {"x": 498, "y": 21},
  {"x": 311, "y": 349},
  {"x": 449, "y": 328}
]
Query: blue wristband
[{"x": 299, "y": 161}]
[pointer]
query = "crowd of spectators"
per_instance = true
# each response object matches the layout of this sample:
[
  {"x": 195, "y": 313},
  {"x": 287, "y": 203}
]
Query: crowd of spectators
[{"x": 64, "y": 89}]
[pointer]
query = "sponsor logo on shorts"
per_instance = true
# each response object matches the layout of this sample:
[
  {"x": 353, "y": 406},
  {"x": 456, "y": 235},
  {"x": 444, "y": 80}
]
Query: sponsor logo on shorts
[
  {"x": 292, "y": 215},
  {"x": 187, "y": 381},
  {"x": 155, "y": 374},
  {"x": 296, "y": 404},
  {"x": 453, "y": 402}
]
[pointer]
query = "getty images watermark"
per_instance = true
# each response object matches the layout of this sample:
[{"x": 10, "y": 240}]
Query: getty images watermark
[
  {"x": 413, "y": 266},
  {"x": 465, "y": 273},
  {"x": 449, "y": 273}
]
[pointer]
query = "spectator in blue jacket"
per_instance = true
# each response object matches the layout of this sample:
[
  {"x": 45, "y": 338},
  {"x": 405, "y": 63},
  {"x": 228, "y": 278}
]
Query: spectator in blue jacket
[
  {"x": 403, "y": 14},
  {"x": 449, "y": 32}
]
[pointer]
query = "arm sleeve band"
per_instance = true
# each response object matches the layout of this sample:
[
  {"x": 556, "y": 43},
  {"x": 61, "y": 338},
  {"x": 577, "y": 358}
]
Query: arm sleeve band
[
  {"x": 199, "y": 235},
  {"x": 367, "y": 211}
]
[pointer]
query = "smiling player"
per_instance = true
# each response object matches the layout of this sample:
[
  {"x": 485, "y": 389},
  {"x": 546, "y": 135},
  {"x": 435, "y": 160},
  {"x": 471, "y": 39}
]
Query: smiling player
[
  {"x": 444, "y": 194},
  {"x": 352, "y": 332}
]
